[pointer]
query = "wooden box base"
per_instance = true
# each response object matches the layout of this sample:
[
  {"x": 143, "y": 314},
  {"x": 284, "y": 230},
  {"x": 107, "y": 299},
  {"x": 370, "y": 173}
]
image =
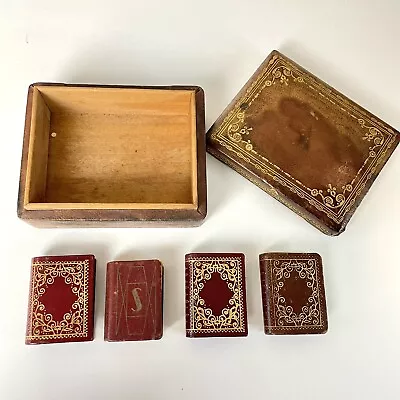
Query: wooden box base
[{"x": 112, "y": 156}]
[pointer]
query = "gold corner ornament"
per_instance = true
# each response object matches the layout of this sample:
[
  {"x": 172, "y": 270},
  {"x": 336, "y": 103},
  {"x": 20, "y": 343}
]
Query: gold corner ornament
[
  {"x": 74, "y": 323},
  {"x": 235, "y": 135},
  {"x": 231, "y": 318},
  {"x": 284, "y": 315}
]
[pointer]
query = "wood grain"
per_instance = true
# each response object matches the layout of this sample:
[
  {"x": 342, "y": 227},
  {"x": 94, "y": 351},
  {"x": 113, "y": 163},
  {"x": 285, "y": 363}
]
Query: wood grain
[
  {"x": 113, "y": 153},
  {"x": 37, "y": 168},
  {"x": 141, "y": 154},
  {"x": 120, "y": 159}
]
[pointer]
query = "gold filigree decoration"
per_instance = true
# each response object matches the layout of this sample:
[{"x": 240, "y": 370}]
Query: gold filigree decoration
[
  {"x": 74, "y": 323},
  {"x": 310, "y": 312},
  {"x": 268, "y": 188},
  {"x": 373, "y": 135},
  {"x": 231, "y": 318},
  {"x": 283, "y": 73},
  {"x": 333, "y": 199},
  {"x": 237, "y": 130},
  {"x": 334, "y": 202}
]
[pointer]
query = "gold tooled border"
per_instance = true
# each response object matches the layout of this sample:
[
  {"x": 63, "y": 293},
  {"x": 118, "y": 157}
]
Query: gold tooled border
[
  {"x": 268, "y": 188},
  {"x": 240, "y": 284},
  {"x": 82, "y": 296},
  {"x": 266, "y": 78},
  {"x": 271, "y": 283}
]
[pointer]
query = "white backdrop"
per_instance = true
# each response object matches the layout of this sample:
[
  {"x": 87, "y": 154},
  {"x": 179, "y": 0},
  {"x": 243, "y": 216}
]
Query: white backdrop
[{"x": 354, "y": 46}]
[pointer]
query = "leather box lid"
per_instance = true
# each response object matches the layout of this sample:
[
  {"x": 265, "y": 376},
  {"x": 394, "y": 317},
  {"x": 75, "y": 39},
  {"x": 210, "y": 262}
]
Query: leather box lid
[
  {"x": 61, "y": 299},
  {"x": 215, "y": 295},
  {"x": 303, "y": 142},
  {"x": 134, "y": 301},
  {"x": 293, "y": 293}
]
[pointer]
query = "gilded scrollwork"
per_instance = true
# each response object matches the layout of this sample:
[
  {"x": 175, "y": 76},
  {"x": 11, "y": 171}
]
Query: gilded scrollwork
[
  {"x": 74, "y": 322},
  {"x": 283, "y": 74},
  {"x": 332, "y": 198},
  {"x": 373, "y": 135},
  {"x": 284, "y": 313},
  {"x": 235, "y": 135},
  {"x": 237, "y": 129},
  {"x": 231, "y": 317}
]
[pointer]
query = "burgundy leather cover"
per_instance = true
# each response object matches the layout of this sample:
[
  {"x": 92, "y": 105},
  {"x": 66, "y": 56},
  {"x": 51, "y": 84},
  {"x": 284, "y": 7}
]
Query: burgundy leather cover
[
  {"x": 293, "y": 294},
  {"x": 215, "y": 295},
  {"x": 134, "y": 301},
  {"x": 61, "y": 299}
]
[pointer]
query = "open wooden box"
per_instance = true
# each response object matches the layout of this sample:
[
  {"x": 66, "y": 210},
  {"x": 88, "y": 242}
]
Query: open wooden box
[{"x": 113, "y": 156}]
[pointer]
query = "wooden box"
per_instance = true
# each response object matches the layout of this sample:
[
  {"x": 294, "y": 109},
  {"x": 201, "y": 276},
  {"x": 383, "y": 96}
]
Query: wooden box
[
  {"x": 302, "y": 142},
  {"x": 113, "y": 156}
]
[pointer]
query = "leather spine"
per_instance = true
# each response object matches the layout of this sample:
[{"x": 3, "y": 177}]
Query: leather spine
[{"x": 265, "y": 296}]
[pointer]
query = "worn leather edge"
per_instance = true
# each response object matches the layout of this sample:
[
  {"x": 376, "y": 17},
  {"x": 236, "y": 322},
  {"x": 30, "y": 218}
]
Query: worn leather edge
[
  {"x": 162, "y": 301},
  {"x": 278, "y": 254},
  {"x": 116, "y": 223},
  {"x": 265, "y": 297},
  {"x": 107, "y": 302},
  {"x": 274, "y": 192}
]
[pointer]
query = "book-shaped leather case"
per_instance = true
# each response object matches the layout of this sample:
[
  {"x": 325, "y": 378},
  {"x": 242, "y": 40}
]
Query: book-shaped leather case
[
  {"x": 304, "y": 143},
  {"x": 134, "y": 301},
  {"x": 61, "y": 299},
  {"x": 215, "y": 295},
  {"x": 293, "y": 294}
]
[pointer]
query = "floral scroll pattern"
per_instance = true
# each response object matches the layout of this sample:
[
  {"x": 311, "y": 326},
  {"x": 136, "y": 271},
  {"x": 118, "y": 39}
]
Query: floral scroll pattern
[
  {"x": 332, "y": 200},
  {"x": 231, "y": 317},
  {"x": 310, "y": 312},
  {"x": 74, "y": 322}
]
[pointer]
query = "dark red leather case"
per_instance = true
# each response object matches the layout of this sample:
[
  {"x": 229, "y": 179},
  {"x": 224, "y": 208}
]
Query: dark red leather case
[
  {"x": 134, "y": 301},
  {"x": 215, "y": 295},
  {"x": 61, "y": 299},
  {"x": 293, "y": 294}
]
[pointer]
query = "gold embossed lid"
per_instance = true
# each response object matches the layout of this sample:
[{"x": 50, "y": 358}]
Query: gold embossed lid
[{"x": 303, "y": 142}]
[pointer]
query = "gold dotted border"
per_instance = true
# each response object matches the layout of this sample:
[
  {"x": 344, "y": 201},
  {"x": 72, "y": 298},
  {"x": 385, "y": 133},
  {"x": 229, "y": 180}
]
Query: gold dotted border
[
  {"x": 268, "y": 188},
  {"x": 241, "y": 328},
  {"x": 83, "y": 294},
  {"x": 268, "y": 288}
]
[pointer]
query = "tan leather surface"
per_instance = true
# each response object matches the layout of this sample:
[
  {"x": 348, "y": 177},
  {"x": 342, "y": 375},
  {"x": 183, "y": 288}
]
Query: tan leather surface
[
  {"x": 293, "y": 294},
  {"x": 298, "y": 139}
]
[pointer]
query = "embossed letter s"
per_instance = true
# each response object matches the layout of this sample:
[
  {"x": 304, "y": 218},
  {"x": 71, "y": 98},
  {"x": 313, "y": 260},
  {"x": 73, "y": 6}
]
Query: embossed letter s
[{"x": 138, "y": 302}]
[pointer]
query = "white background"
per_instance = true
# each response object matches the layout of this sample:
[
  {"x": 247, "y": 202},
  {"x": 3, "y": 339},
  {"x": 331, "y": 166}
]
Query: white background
[{"x": 354, "y": 46}]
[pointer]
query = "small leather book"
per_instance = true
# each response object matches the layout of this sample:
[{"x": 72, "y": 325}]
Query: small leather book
[
  {"x": 293, "y": 294},
  {"x": 215, "y": 295},
  {"x": 134, "y": 301},
  {"x": 61, "y": 299}
]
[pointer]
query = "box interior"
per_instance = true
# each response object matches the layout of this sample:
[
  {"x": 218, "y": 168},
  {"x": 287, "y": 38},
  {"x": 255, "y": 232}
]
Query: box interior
[{"x": 111, "y": 148}]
